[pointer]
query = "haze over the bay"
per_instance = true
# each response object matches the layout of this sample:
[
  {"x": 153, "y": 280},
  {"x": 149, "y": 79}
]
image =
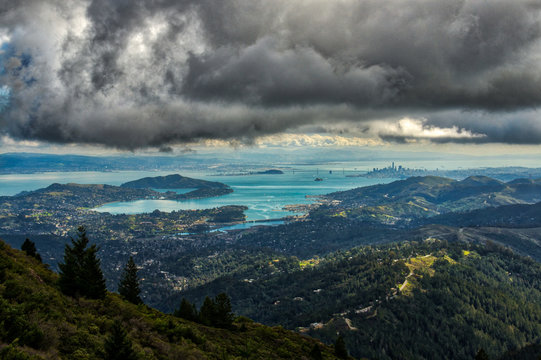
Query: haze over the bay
[{"x": 173, "y": 74}]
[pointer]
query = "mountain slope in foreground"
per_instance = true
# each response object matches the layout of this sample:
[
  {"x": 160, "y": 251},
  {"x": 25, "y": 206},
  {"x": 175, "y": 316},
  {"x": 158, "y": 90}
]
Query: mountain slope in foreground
[{"x": 39, "y": 322}]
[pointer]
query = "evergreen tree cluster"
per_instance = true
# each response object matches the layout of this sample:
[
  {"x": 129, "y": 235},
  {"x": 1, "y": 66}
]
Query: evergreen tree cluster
[
  {"x": 29, "y": 247},
  {"x": 214, "y": 312},
  {"x": 340, "y": 349},
  {"x": 80, "y": 274},
  {"x": 315, "y": 353}
]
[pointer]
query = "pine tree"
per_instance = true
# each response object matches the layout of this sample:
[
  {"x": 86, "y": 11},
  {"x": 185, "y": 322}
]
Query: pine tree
[
  {"x": 93, "y": 284},
  {"x": 186, "y": 311},
  {"x": 223, "y": 317},
  {"x": 128, "y": 287},
  {"x": 315, "y": 353},
  {"x": 206, "y": 313},
  {"x": 29, "y": 247},
  {"x": 71, "y": 269},
  {"x": 118, "y": 346},
  {"x": 80, "y": 274},
  {"x": 340, "y": 348}
]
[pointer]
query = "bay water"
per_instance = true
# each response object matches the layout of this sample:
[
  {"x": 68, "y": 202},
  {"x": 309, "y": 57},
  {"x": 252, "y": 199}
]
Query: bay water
[{"x": 264, "y": 195}]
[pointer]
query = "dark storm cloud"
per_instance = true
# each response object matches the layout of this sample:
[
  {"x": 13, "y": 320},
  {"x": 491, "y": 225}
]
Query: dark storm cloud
[
  {"x": 264, "y": 74},
  {"x": 136, "y": 73}
]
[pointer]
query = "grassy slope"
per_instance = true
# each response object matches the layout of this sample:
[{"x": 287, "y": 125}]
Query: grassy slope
[{"x": 39, "y": 321}]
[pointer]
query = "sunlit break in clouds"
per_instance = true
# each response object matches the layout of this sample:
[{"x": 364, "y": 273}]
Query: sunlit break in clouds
[{"x": 138, "y": 74}]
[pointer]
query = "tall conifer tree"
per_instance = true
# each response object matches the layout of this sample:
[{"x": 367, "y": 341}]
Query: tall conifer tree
[
  {"x": 29, "y": 247},
  {"x": 118, "y": 346},
  {"x": 315, "y": 353},
  {"x": 93, "y": 284},
  {"x": 206, "y": 312},
  {"x": 128, "y": 287},
  {"x": 223, "y": 317},
  {"x": 71, "y": 268},
  {"x": 186, "y": 311},
  {"x": 340, "y": 349},
  {"x": 80, "y": 274}
]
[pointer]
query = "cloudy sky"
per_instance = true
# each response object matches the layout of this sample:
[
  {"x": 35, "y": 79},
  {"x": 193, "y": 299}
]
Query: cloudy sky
[{"x": 162, "y": 74}]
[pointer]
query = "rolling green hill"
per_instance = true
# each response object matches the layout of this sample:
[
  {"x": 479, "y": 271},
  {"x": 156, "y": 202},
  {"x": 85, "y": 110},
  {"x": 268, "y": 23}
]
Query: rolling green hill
[
  {"x": 400, "y": 202},
  {"x": 439, "y": 190},
  {"x": 520, "y": 215},
  {"x": 432, "y": 299},
  {"x": 39, "y": 322}
]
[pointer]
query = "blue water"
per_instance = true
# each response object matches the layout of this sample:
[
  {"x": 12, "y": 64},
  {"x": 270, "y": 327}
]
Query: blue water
[{"x": 264, "y": 195}]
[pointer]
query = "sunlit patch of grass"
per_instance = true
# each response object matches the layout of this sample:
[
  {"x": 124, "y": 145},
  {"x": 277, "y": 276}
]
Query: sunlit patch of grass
[
  {"x": 407, "y": 290},
  {"x": 417, "y": 264},
  {"x": 419, "y": 206},
  {"x": 471, "y": 254},
  {"x": 450, "y": 259},
  {"x": 308, "y": 263}
]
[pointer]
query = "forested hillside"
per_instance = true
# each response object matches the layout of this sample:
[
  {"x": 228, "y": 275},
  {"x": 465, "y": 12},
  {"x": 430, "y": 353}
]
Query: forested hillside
[
  {"x": 39, "y": 322},
  {"x": 424, "y": 300},
  {"x": 507, "y": 216}
]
